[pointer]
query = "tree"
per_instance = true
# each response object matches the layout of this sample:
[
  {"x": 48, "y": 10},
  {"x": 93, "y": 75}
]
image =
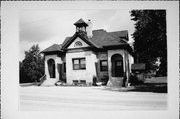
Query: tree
[
  {"x": 150, "y": 38},
  {"x": 32, "y": 67}
]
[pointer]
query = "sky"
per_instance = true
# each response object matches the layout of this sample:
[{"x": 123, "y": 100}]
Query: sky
[{"x": 48, "y": 27}]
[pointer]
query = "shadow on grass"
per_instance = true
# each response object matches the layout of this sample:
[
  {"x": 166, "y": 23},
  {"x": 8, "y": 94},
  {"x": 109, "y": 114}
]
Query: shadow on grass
[
  {"x": 146, "y": 87},
  {"x": 151, "y": 87}
]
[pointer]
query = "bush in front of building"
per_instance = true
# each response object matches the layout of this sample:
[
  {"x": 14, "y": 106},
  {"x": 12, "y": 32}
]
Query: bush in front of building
[
  {"x": 94, "y": 81},
  {"x": 133, "y": 80},
  {"x": 104, "y": 80}
]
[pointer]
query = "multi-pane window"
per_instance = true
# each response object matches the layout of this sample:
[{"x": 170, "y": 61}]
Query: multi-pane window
[
  {"x": 79, "y": 63},
  {"x": 103, "y": 65}
]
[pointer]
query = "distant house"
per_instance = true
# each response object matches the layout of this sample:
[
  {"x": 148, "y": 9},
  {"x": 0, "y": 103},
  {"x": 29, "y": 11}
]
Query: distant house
[{"x": 89, "y": 53}]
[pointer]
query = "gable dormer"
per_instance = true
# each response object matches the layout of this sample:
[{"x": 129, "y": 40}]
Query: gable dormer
[{"x": 78, "y": 43}]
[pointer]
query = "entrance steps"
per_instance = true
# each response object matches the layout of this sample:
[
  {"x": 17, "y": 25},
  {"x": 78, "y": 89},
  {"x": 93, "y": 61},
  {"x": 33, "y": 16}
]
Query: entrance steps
[
  {"x": 49, "y": 82},
  {"x": 115, "y": 82}
]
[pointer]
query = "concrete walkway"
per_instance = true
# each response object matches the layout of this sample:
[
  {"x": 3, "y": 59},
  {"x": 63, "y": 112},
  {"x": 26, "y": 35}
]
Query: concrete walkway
[{"x": 88, "y": 99}]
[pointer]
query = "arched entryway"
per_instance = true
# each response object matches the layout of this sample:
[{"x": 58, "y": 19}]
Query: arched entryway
[
  {"x": 51, "y": 68},
  {"x": 117, "y": 65}
]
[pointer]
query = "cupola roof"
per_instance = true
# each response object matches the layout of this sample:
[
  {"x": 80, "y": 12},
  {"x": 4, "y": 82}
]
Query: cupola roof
[{"x": 80, "y": 22}]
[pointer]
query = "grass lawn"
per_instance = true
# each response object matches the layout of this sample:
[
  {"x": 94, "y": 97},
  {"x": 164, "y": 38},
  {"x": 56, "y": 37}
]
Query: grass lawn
[
  {"x": 156, "y": 80},
  {"x": 154, "y": 84},
  {"x": 27, "y": 84}
]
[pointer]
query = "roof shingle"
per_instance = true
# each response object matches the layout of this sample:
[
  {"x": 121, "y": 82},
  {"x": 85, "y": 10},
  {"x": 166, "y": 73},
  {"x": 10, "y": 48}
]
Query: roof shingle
[
  {"x": 103, "y": 38},
  {"x": 54, "y": 47},
  {"x": 99, "y": 39}
]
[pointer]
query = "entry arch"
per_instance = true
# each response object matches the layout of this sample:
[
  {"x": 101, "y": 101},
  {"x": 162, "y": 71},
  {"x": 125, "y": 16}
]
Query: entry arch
[
  {"x": 51, "y": 68},
  {"x": 117, "y": 65}
]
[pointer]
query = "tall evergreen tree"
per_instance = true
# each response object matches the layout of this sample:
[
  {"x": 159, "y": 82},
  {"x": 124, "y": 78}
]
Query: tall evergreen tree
[
  {"x": 150, "y": 38},
  {"x": 32, "y": 67}
]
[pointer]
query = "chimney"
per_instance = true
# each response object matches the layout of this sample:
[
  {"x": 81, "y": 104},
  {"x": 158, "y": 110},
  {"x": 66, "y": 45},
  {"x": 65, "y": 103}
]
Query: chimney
[{"x": 89, "y": 29}]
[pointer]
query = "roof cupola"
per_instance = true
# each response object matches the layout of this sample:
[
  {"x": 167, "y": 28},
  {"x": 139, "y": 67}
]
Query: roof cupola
[{"x": 81, "y": 26}]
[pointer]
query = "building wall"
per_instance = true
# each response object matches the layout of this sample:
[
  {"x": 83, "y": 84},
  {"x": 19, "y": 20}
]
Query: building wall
[
  {"x": 128, "y": 60},
  {"x": 110, "y": 54},
  {"x": 131, "y": 61},
  {"x": 101, "y": 74},
  {"x": 90, "y": 71},
  {"x": 86, "y": 74},
  {"x": 63, "y": 73},
  {"x": 57, "y": 61},
  {"x": 63, "y": 67}
]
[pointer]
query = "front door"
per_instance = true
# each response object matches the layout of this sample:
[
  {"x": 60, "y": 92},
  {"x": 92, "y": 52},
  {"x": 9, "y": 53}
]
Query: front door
[
  {"x": 117, "y": 65},
  {"x": 118, "y": 68}
]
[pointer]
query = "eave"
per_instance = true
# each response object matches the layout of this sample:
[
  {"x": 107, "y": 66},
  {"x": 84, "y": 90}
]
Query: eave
[
  {"x": 67, "y": 44},
  {"x": 120, "y": 46}
]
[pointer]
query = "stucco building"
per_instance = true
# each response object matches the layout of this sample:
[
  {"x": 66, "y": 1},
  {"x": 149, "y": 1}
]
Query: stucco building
[{"x": 89, "y": 53}]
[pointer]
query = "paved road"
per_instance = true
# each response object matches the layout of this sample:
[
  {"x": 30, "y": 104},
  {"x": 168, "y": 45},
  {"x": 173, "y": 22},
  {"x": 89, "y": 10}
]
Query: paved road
[{"x": 88, "y": 99}]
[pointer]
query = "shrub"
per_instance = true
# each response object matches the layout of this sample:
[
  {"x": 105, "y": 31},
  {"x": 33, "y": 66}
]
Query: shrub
[
  {"x": 133, "y": 80},
  {"x": 104, "y": 80},
  {"x": 94, "y": 81}
]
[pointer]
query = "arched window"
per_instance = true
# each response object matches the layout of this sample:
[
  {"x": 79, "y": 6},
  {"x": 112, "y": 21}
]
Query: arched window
[{"x": 78, "y": 43}]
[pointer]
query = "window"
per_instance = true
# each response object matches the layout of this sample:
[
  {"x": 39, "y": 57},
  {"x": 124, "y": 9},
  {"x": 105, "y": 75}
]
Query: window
[
  {"x": 78, "y": 43},
  {"x": 103, "y": 65},
  {"x": 79, "y": 63}
]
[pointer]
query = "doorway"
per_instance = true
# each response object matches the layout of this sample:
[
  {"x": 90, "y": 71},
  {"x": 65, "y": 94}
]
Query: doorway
[
  {"x": 117, "y": 65},
  {"x": 51, "y": 68}
]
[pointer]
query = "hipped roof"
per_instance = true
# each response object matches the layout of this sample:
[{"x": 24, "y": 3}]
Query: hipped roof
[
  {"x": 53, "y": 48},
  {"x": 100, "y": 39}
]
